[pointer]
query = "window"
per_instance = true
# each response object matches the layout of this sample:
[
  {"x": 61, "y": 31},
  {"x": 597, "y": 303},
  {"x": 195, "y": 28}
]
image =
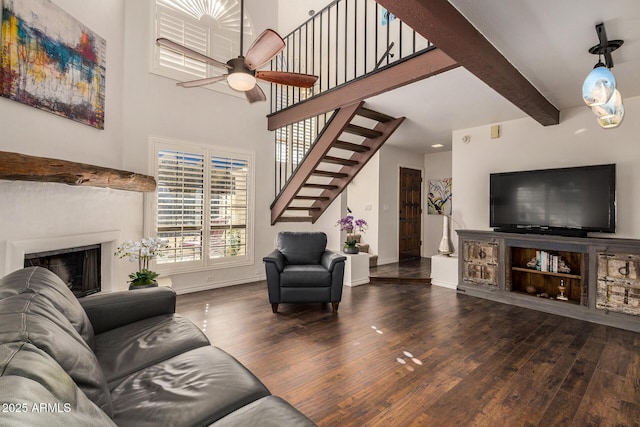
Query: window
[
  {"x": 203, "y": 206},
  {"x": 210, "y": 27}
]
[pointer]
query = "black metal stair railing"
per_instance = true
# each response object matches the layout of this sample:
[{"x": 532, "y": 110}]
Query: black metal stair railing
[
  {"x": 346, "y": 40},
  {"x": 292, "y": 145}
]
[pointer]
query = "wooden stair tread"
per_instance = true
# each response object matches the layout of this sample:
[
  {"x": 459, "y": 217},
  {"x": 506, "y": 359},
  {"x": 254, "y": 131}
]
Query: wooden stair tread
[
  {"x": 351, "y": 147},
  {"x": 330, "y": 174},
  {"x": 374, "y": 115},
  {"x": 303, "y": 208},
  {"x": 362, "y": 131},
  {"x": 311, "y": 198},
  {"x": 295, "y": 219},
  {"x": 340, "y": 161},
  {"x": 321, "y": 186}
]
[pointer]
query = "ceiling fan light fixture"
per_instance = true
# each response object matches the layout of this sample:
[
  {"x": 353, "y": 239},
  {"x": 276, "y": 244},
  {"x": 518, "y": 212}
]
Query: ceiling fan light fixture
[
  {"x": 599, "y": 86},
  {"x": 241, "y": 81}
]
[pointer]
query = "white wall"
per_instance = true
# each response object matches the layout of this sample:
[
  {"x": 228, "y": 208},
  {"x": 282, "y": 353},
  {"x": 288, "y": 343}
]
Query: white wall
[
  {"x": 364, "y": 200},
  {"x": 436, "y": 166},
  {"x": 524, "y": 144},
  {"x": 35, "y": 210},
  {"x": 391, "y": 159}
]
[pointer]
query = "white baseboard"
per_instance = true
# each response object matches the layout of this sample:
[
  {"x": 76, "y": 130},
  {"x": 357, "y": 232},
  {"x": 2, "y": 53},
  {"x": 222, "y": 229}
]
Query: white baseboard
[
  {"x": 444, "y": 284},
  {"x": 210, "y": 286},
  {"x": 358, "y": 282}
]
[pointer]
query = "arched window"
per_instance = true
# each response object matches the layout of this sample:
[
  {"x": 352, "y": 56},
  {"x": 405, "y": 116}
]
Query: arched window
[{"x": 211, "y": 27}]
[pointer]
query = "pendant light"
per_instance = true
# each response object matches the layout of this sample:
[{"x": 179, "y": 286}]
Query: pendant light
[{"x": 599, "y": 88}]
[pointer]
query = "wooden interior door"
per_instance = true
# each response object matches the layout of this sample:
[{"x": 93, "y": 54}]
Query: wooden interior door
[{"x": 410, "y": 230}]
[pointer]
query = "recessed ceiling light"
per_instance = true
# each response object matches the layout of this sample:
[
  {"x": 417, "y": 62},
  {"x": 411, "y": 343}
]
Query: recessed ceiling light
[{"x": 437, "y": 145}]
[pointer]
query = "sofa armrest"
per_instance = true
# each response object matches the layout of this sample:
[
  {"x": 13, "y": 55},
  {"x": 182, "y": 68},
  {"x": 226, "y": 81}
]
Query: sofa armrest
[
  {"x": 276, "y": 258},
  {"x": 112, "y": 310},
  {"x": 330, "y": 259}
]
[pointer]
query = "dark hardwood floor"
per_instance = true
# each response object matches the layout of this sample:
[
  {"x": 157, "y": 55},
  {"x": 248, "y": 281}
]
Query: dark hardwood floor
[
  {"x": 398, "y": 355},
  {"x": 416, "y": 271}
]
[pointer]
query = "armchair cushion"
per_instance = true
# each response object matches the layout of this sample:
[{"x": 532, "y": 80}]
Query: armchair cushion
[
  {"x": 302, "y": 247},
  {"x": 305, "y": 276}
]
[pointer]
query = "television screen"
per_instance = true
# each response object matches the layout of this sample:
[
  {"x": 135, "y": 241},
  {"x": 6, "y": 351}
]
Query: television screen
[{"x": 580, "y": 198}]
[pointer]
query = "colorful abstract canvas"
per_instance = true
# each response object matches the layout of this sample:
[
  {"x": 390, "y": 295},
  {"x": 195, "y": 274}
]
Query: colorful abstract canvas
[
  {"x": 51, "y": 61},
  {"x": 439, "y": 197}
]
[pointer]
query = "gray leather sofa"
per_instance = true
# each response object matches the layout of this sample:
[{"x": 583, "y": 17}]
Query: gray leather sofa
[
  {"x": 123, "y": 359},
  {"x": 302, "y": 270}
]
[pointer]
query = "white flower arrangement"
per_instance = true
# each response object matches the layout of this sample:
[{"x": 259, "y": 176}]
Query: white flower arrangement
[{"x": 143, "y": 251}]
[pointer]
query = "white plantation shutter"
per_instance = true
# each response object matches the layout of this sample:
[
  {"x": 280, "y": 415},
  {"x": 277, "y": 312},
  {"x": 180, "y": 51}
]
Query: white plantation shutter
[
  {"x": 180, "y": 205},
  {"x": 229, "y": 206},
  {"x": 187, "y": 33},
  {"x": 203, "y": 206}
]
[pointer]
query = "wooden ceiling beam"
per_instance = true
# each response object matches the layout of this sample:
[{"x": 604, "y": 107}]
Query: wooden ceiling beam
[
  {"x": 22, "y": 167},
  {"x": 441, "y": 23}
]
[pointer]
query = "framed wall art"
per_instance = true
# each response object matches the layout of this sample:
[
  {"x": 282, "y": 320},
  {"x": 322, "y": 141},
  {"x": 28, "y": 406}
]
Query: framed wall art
[{"x": 51, "y": 61}]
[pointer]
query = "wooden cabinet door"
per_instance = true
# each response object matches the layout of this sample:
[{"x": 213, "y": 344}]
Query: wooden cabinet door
[{"x": 618, "y": 286}]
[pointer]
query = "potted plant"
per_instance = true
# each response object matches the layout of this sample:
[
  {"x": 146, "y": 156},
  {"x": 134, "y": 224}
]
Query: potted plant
[
  {"x": 350, "y": 225},
  {"x": 143, "y": 251}
]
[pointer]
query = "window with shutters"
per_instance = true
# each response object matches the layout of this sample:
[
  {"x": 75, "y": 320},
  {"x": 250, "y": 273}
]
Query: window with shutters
[
  {"x": 203, "y": 206},
  {"x": 210, "y": 27}
]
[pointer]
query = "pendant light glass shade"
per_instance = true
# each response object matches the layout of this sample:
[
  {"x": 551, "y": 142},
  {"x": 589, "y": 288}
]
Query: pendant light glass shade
[
  {"x": 599, "y": 86},
  {"x": 610, "y": 114}
]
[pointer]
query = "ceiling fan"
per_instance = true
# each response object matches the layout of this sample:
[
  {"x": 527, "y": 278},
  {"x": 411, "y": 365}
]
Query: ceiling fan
[{"x": 242, "y": 71}]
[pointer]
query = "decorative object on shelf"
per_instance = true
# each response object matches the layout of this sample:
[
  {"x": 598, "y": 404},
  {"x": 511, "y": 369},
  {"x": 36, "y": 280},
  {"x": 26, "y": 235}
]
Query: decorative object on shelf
[
  {"x": 51, "y": 61},
  {"x": 350, "y": 225},
  {"x": 530, "y": 289},
  {"x": 544, "y": 261},
  {"x": 599, "y": 88},
  {"x": 446, "y": 246},
  {"x": 143, "y": 251},
  {"x": 439, "y": 197},
  {"x": 561, "y": 289}
]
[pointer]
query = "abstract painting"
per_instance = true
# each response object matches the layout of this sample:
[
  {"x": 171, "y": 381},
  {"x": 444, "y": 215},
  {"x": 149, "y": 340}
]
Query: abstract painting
[
  {"x": 50, "y": 61},
  {"x": 439, "y": 197}
]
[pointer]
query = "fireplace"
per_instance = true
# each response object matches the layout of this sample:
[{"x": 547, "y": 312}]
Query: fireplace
[{"x": 78, "y": 267}]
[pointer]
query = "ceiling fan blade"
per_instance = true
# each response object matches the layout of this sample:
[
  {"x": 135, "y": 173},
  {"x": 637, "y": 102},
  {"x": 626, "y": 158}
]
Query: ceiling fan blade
[
  {"x": 202, "y": 82},
  {"x": 267, "y": 45},
  {"x": 254, "y": 95},
  {"x": 170, "y": 44},
  {"x": 285, "y": 78}
]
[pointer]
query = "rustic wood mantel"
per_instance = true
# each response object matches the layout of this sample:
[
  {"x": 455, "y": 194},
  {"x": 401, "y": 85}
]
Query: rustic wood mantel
[{"x": 22, "y": 167}]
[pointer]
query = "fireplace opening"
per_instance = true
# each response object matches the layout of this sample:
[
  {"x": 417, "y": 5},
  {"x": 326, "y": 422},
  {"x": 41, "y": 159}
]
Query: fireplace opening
[{"x": 78, "y": 267}]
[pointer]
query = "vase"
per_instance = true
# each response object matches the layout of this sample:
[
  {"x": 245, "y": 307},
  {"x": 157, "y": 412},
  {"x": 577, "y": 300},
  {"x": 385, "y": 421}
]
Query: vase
[
  {"x": 351, "y": 249},
  {"x": 445, "y": 247},
  {"x": 148, "y": 285}
]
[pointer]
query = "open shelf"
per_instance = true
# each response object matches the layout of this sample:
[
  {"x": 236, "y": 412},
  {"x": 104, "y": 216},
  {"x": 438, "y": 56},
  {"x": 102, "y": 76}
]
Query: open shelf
[
  {"x": 530, "y": 281},
  {"x": 548, "y": 273}
]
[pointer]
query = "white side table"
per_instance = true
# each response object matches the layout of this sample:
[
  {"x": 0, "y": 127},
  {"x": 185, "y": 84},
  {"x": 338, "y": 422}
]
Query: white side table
[
  {"x": 356, "y": 269},
  {"x": 444, "y": 271}
]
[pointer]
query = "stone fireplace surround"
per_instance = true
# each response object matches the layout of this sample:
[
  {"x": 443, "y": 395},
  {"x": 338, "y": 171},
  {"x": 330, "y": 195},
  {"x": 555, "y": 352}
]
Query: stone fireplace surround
[{"x": 17, "y": 249}]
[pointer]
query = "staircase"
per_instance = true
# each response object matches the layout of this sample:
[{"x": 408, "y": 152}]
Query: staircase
[
  {"x": 364, "y": 248},
  {"x": 332, "y": 162}
]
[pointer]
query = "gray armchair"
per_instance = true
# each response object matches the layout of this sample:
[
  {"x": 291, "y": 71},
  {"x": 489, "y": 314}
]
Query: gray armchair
[{"x": 301, "y": 270}]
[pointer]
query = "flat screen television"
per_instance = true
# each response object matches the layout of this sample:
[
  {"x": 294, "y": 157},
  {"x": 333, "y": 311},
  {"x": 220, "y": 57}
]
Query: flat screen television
[{"x": 566, "y": 201}]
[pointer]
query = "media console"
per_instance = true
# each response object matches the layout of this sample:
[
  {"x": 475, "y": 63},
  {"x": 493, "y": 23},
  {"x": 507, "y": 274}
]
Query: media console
[{"x": 593, "y": 279}]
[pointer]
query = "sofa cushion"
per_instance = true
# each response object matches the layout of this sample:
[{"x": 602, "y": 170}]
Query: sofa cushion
[
  {"x": 42, "y": 281},
  {"x": 302, "y": 247},
  {"x": 31, "y": 318},
  {"x": 270, "y": 411},
  {"x": 195, "y": 388},
  {"x": 45, "y": 395},
  {"x": 129, "y": 348},
  {"x": 305, "y": 276}
]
